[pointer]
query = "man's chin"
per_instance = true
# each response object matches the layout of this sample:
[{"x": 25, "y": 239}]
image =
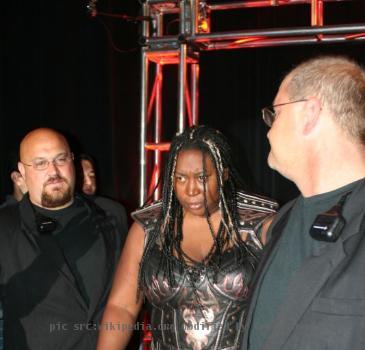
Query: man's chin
[
  {"x": 56, "y": 198},
  {"x": 270, "y": 161}
]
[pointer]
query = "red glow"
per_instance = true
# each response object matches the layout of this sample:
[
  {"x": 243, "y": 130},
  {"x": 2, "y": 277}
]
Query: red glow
[
  {"x": 156, "y": 84},
  {"x": 154, "y": 179},
  {"x": 188, "y": 106},
  {"x": 161, "y": 146},
  {"x": 354, "y": 36},
  {"x": 147, "y": 334},
  {"x": 168, "y": 57},
  {"x": 204, "y": 26},
  {"x": 248, "y": 40}
]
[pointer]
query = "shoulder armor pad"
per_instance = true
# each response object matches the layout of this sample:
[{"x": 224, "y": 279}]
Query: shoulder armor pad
[
  {"x": 148, "y": 215},
  {"x": 254, "y": 209}
]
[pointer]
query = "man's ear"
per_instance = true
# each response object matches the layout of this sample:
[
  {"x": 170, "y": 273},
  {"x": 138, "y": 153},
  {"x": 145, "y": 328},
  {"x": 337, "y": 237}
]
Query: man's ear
[
  {"x": 17, "y": 178},
  {"x": 21, "y": 169},
  {"x": 14, "y": 176},
  {"x": 312, "y": 114}
]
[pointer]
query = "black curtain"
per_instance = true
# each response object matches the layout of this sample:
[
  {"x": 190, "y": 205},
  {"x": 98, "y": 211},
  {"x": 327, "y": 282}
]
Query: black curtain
[
  {"x": 253, "y": 77},
  {"x": 55, "y": 73},
  {"x": 63, "y": 69}
]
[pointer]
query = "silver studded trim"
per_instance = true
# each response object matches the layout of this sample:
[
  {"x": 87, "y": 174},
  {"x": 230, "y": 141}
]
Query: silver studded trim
[
  {"x": 259, "y": 203},
  {"x": 148, "y": 215}
]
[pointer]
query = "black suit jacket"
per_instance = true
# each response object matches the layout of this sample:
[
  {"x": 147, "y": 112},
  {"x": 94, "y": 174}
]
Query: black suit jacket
[
  {"x": 43, "y": 305},
  {"x": 325, "y": 304}
]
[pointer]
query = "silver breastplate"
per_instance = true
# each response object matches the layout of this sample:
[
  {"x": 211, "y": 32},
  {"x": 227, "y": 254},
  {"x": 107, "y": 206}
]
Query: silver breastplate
[{"x": 198, "y": 312}]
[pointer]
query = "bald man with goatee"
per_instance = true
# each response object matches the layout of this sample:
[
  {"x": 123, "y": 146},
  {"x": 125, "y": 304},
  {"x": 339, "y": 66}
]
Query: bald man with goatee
[
  {"x": 53, "y": 187},
  {"x": 58, "y": 252}
]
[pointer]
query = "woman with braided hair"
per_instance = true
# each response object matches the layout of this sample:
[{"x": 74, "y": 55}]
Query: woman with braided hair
[{"x": 192, "y": 254}]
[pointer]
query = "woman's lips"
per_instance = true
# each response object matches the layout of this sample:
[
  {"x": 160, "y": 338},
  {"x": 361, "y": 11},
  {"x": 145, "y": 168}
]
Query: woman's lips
[{"x": 195, "y": 206}]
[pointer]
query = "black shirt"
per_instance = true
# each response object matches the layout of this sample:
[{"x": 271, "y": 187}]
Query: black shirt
[
  {"x": 73, "y": 239},
  {"x": 294, "y": 247}
]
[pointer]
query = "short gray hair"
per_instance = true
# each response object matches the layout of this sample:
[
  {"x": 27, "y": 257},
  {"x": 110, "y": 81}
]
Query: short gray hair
[{"x": 339, "y": 83}]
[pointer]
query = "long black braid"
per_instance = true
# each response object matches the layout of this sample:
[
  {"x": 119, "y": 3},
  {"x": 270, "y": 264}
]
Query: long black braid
[{"x": 168, "y": 230}]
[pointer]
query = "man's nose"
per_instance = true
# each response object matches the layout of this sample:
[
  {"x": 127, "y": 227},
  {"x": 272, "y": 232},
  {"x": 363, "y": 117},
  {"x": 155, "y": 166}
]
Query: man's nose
[{"x": 52, "y": 167}]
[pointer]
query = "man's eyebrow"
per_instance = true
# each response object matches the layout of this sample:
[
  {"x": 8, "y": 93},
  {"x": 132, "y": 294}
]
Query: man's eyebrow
[{"x": 57, "y": 155}]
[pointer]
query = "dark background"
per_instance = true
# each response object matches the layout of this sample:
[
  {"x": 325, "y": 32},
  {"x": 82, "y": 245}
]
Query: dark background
[{"x": 59, "y": 69}]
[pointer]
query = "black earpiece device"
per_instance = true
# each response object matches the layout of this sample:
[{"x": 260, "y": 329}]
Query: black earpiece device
[
  {"x": 328, "y": 226},
  {"x": 45, "y": 225}
]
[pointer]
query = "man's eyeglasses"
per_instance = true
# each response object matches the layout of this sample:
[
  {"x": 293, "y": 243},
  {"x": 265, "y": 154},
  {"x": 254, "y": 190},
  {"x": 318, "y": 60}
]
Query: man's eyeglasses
[
  {"x": 269, "y": 114},
  {"x": 43, "y": 163}
]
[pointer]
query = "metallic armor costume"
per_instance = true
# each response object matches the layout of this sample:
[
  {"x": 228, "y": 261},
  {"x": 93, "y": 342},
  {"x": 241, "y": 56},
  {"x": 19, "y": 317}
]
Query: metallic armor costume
[{"x": 203, "y": 312}]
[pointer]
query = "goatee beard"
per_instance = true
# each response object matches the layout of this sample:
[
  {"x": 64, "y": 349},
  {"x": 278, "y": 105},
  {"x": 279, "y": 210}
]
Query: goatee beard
[
  {"x": 49, "y": 201},
  {"x": 56, "y": 198}
]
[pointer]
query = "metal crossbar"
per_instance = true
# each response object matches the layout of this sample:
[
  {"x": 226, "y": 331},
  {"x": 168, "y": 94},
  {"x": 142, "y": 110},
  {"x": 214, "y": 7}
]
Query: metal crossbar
[{"x": 182, "y": 50}]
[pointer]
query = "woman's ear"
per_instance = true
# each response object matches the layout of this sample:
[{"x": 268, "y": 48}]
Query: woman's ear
[{"x": 225, "y": 174}]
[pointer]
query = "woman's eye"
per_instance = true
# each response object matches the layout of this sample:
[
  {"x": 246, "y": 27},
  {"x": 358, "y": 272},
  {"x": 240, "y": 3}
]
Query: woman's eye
[
  {"x": 202, "y": 178},
  {"x": 179, "y": 178}
]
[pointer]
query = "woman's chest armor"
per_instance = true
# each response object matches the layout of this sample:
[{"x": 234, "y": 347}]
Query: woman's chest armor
[{"x": 199, "y": 311}]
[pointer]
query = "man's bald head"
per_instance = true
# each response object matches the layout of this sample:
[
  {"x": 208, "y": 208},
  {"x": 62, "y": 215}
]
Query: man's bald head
[
  {"x": 47, "y": 167},
  {"x": 36, "y": 137}
]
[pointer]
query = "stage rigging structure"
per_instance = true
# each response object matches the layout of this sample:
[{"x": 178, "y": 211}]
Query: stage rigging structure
[{"x": 194, "y": 35}]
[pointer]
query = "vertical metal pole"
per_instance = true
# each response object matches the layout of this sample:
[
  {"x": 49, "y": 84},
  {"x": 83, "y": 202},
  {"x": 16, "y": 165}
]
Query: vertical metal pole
[
  {"x": 142, "y": 142},
  {"x": 317, "y": 13},
  {"x": 194, "y": 92},
  {"x": 194, "y": 16},
  {"x": 158, "y": 115},
  {"x": 185, "y": 28},
  {"x": 181, "y": 88},
  {"x": 186, "y": 9},
  {"x": 144, "y": 106},
  {"x": 194, "y": 67}
]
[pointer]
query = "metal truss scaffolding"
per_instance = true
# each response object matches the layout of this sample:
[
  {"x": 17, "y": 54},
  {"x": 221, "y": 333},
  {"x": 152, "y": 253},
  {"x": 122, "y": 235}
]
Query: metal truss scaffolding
[{"x": 182, "y": 50}]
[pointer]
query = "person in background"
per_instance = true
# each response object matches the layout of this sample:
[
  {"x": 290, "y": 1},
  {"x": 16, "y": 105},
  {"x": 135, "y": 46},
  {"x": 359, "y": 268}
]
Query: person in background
[
  {"x": 87, "y": 174},
  {"x": 19, "y": 187},
  {"x": 310, "y": 287},
  {"x": 86, "y": 183},
  {"x": 58, "y": 252},
  {"x": 192, "y": 254}
]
